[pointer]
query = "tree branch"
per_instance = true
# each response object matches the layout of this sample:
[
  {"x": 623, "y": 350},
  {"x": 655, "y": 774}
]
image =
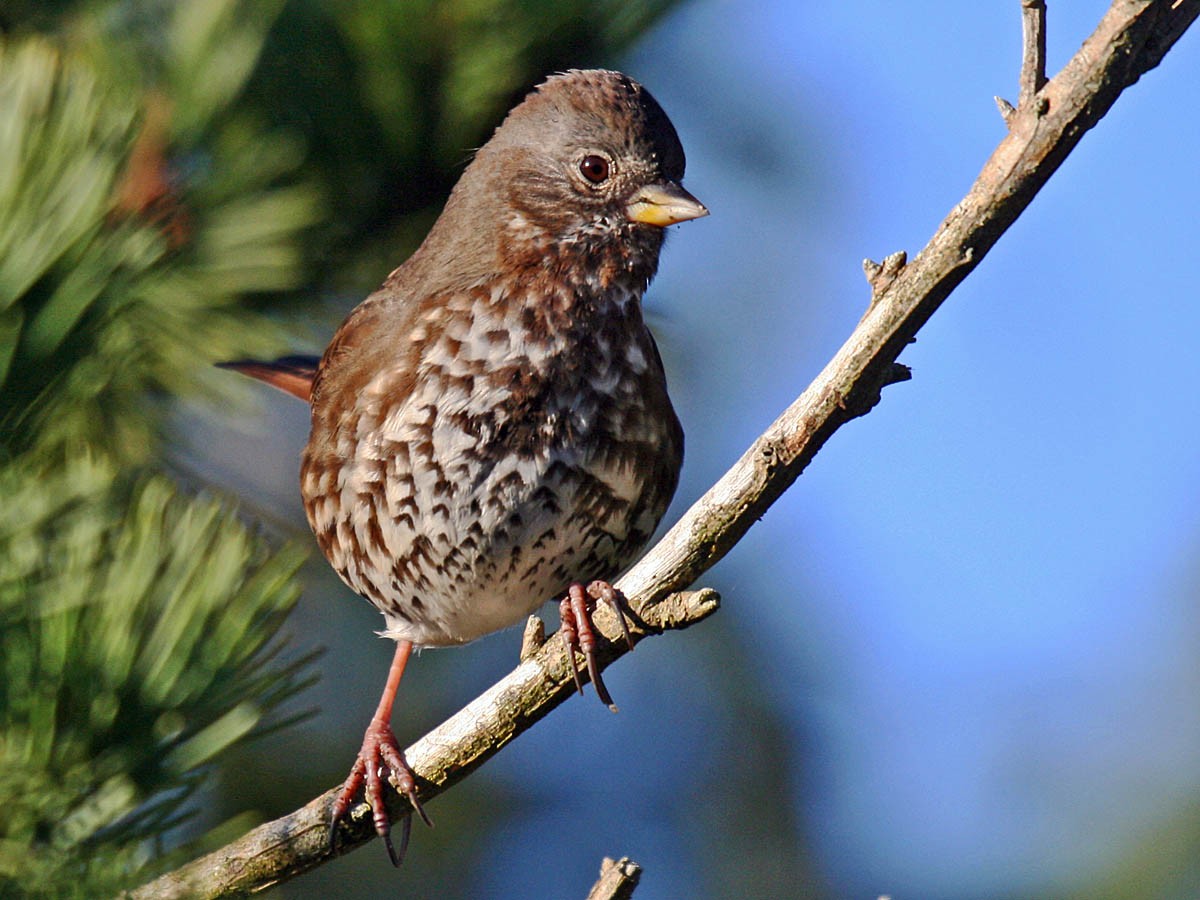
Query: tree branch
[
  {"x": 1033, "y": 56},
  {"x": 618, "y": 879},
  {"x": 1132, "y": 38},
  {"x": 1033, "y": 59}
]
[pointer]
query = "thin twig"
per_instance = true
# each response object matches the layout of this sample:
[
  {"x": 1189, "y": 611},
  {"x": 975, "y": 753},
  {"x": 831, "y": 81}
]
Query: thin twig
[
  {"x": 1132, "y": 38},
  {"x": 880, "y": 275},
  {"x": 617, "y": 881},
  {"x": 532, "y": 638},
  {"x": 1033, "y": 51},
  {"x": 1007, "y": 110},
  {"x": 1032, "y": 77}
]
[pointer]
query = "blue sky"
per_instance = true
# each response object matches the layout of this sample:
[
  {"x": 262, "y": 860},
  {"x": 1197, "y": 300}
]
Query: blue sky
[
  {"x": 975, "y": 615},
  {"x": 998, "y": 564}
]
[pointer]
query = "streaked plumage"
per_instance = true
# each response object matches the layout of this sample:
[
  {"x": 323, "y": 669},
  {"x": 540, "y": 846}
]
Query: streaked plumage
[{"x": 492, "y": 425}]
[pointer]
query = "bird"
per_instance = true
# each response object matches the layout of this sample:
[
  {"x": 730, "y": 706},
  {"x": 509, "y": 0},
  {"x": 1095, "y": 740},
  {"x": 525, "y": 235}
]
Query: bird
[{"x": 491, "y": 427}]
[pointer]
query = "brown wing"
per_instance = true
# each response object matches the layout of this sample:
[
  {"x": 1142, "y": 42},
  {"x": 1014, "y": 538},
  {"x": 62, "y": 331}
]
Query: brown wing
[{"x": 290, "y": 374}]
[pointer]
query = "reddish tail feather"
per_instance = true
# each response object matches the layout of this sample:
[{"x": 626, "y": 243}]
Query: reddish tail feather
[{"x": 290, "y": 374}]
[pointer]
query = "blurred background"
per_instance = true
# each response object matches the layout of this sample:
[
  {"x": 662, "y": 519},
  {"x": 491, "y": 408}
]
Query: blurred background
[{"x": 959, "y": 659}]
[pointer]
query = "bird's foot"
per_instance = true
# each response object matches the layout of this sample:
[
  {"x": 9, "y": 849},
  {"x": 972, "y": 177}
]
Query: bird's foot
[
  {"x": 379, "y": 754},
  {"x": 575, "y": 612}
]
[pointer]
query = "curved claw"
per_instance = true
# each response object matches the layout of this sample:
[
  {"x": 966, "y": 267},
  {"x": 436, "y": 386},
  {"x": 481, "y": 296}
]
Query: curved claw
[
  {"x": 395, "y": 856},
  {"x": 575, "y": 611},
  {"x": 379, "y": 754},
  {"x": 602, "y": 590}
]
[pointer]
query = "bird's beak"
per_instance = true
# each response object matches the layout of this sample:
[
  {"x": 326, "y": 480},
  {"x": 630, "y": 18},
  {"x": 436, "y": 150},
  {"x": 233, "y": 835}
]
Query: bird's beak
[{"x": 664, "y": 204}]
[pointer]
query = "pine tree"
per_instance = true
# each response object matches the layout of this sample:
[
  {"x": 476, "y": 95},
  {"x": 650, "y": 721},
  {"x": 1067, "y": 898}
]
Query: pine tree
[{"x": 139, "y": 621}]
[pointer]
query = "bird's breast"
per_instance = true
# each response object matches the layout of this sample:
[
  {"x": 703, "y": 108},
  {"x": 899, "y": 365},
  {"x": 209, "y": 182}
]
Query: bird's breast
[{"x": 533, "y": 448}]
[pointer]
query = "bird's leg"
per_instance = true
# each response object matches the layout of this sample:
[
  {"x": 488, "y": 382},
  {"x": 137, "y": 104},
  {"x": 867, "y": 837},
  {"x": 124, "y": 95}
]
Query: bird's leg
[
  {"x": 379, "y": 752},
  {"x": 575, "y": 613}
]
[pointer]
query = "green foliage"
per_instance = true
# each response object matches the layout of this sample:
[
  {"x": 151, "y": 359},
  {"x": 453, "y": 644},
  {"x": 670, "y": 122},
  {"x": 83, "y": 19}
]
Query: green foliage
[
  {"x": 139, "y": 216},
  {"x": 138, "y": 644},
  {"x": 104, "y": 310}
]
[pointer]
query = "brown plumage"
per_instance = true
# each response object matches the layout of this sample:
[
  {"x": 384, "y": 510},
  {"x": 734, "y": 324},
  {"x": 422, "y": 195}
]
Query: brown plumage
[{"x": 491, "y": 428}]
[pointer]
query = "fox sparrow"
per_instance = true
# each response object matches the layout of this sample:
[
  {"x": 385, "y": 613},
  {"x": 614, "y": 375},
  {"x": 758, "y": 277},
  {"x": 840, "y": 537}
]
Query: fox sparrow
[{"x": 491, "y": 428}]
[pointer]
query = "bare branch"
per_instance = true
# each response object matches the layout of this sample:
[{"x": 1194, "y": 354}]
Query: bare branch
[
  {"x": 1033, "y": 54},
  {"x": 881, "y": 275},
  {"x": 533, "y": 637},
  {"x": 617, "y": 880},
  {"x": 1007, "y": 110},
  {"x": 297, "y": 842},
  {"x": 1033, "y": 59},
  {"x": 1132, "y": 38}
]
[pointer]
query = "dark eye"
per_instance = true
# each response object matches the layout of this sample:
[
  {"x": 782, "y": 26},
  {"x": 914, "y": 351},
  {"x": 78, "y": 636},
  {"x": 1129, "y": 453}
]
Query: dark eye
[{"x": 594, "y": 168}]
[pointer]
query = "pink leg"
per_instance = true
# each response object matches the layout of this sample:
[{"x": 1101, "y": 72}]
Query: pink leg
[
  {"x": 575, "y": 612},
  {"x": 379, "y": 752}
]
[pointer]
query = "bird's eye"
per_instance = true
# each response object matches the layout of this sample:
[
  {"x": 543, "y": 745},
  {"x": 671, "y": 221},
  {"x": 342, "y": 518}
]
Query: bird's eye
[{"x": 594, "y": 168}]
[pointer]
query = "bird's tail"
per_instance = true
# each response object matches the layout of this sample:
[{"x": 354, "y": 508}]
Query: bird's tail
[{"x": 290, "y": 374}]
